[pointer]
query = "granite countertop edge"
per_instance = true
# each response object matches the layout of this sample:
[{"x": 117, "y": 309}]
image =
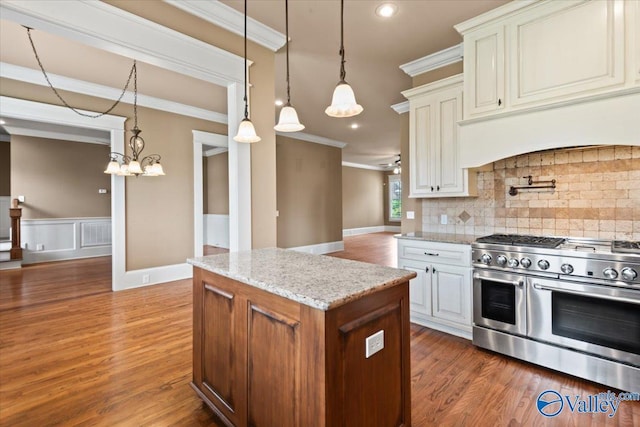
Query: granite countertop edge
[
  {"x": 310, "y": 301},
  {"x": 459, "y": 239}
]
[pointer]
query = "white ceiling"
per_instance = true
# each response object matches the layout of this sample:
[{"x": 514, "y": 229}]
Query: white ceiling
[{"x": 375, "y": 48}]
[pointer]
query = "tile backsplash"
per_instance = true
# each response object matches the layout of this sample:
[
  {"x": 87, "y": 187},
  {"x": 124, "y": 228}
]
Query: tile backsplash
[{"x": 597, "y": 195}]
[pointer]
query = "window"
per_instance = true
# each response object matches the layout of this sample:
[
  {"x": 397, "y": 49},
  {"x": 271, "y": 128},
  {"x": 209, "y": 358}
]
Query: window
[{"x": 395, "y": 198}]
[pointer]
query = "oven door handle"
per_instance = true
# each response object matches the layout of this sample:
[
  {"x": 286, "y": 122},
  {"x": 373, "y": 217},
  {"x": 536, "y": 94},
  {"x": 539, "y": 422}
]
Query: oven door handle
[
  {"x": 584, "y": 293},
  {"x": 519, "y": 283}
]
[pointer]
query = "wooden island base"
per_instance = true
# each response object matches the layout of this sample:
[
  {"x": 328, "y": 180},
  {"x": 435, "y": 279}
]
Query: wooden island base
[{"x": 260, "y": 359}]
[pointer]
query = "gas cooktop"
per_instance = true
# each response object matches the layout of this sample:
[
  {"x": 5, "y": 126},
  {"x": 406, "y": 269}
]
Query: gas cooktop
[
  {"x": 624, "y": 246},
  {"x": 522, "y": 240}
]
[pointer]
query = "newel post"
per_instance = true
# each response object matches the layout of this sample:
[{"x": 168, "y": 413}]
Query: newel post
[{"x": 15, "y": 213}]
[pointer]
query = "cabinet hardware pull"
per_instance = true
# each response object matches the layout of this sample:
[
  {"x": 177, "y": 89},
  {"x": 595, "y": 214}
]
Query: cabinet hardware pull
[
  {"x": 434, "y": 270},
  {"x": 431, "y": 254},
  {"x": 499, "y": 102},
  {"x": 432, "y": 188},
  {"x": 426, "y": 269},
  {"x": 438, "y": 187}
]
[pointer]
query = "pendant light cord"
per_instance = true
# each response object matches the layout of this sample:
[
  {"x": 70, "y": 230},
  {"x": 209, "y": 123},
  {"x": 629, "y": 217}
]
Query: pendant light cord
[
  {"x": 246, "y": 103},
  {"x": 286, "y": 20},
  {"x": 135, "y": 95},
  {"x": 65, "y": 103},
  {"x": 343, "y": 73}
]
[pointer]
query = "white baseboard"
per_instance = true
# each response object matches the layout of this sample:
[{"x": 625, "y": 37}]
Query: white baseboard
[
  {"x": 10, "y": 265},
  {"x": 321, "y": 248},
  {"x": 153, "y": 276},
  {"x": 367, "y": 230}
]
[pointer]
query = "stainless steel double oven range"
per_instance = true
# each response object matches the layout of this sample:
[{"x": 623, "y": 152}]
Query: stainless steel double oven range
[{"x": 572, "y": 305}]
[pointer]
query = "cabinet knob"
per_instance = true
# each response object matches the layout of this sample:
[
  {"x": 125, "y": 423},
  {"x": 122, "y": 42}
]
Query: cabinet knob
[
  {"x": 426, "y": 269},
  {"x": 499, "y": 102},
  {"x": 438, "y": 188},
  {"x": 432, "y": 188}
]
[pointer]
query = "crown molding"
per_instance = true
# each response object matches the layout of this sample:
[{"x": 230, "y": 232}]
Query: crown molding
[
  {"x": 503, "y": 11},
  {"x": 313, "y": 138},
  {"x": 29, "y": 75},
  {"x": 231, "y": 20},
  {"x": 434, "y": 61},
  {"x": 362, "y": 166},
  {"x": 401, "y": 107},
  {"x": 437, "y": 85},
  {"x": 112, "y": 29}
]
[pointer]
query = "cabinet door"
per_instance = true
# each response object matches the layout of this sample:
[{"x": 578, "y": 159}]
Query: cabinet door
[
  {"x": 421, "y": 146},
  {"x": 449, "y": 174},
  {"x": 451, "y": 293},
  {"x": 566, "y": 50},
  {"x": 419, "y": 287},
  {"x": 484, "y": 71}
]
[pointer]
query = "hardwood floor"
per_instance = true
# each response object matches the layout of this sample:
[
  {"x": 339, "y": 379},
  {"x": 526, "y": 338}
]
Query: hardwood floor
[{"x": 74, "y": 353}]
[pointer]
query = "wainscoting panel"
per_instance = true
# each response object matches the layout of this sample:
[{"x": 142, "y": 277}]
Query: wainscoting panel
[
  {"x": 66, "y": 238},
  {"x": 5, "y": 219},
  {"x": 216, "y": 230}
]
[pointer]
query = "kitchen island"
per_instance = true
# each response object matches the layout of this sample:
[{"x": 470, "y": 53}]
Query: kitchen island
[{"x": 292, "y": 339}]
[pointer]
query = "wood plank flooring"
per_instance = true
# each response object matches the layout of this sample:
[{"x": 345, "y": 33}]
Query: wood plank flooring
[{"x": 74, "y": 353}]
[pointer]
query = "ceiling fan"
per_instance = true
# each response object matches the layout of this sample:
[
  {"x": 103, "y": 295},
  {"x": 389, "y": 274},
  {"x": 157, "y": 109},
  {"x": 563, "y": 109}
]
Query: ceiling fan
[{"x": 397, "y": 165}]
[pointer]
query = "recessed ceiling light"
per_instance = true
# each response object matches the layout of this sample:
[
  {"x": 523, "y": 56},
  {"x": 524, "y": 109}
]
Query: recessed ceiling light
[
  {"x": 279, "y": 102},
  {"x": 354, "y": 126},
  {"x": 386, "y": 10}
]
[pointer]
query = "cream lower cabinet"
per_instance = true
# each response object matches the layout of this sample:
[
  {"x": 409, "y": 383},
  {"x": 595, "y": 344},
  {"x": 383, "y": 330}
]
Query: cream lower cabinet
[
  {"x": 440, "y": 294},
  {"x": 434, "y": 152}
]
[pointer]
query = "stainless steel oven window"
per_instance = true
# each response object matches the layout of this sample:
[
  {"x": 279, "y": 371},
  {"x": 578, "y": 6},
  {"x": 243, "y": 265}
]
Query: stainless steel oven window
[
  {"x": 498, "y": 301},
  {"x": 612, "y": 324}
]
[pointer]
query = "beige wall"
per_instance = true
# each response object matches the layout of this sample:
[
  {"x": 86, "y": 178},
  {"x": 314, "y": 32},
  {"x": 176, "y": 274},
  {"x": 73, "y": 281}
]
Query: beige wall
[
  {"x": 309, "y": 193},
  {"x": 5, "y": 168},
  {"x": 159, "y": 211},
  {"x": 362, "y": 197},
  {"x": 59, "y": 179},
  {"x": 438, "y": 74},
  {"x": 216, "y": 184},
  {"x": 262, "y": 96},
  {"x": 597, "y": 196}
]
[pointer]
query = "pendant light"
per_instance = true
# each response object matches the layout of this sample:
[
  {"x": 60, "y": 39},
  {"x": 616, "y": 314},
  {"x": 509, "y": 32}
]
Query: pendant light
[
  {"x": 246, "y": 131},
  {"x": 288, "y": 121},
  {"x": 343, "y": 102}
]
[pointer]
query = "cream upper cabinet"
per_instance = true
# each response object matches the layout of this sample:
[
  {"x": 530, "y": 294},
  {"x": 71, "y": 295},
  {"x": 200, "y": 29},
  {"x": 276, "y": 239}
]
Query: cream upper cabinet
[
  {"x": 566, "y": 49},
  {"x": 484, "y": 71},
  {"x": 535, "y": 54},
  {"x": 434, "y": 111}
]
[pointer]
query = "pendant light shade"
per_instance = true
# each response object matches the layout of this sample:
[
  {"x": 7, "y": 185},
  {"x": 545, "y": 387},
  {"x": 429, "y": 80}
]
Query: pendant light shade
[
  {"x": 343, "y": 102},
  {"x": 246, "y": 131},
  {"x": 288, "y": 120}
]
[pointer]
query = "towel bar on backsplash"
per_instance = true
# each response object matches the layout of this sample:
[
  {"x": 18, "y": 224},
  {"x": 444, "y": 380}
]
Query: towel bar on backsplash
[{"x": 531, "y": 185}]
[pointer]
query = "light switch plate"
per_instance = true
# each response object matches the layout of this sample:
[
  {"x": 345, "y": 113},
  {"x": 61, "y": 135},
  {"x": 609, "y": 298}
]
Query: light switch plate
[
  {"x": 444, "y": 219},
  {"x": 374, "y": 343},
  {"x": 411, "y": 215}
]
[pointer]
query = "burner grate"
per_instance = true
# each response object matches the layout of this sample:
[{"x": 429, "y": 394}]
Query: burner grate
[
  {"x": 522, "y": 240},
  {"x": 625, "y": 246}
]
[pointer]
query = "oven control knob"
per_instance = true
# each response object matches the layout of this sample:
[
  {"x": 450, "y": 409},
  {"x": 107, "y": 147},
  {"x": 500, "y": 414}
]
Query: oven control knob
[
  {"x": 566, "y": 268},
  {"x": 628, "y": 274},
  {"x": 610, "y": 273},
  {"x": 526, "y": 262},
  {"x": 502, "y": 260},
  {"x": 543, "y": 264},
  {"x": 486, "y": 258},
  {"x": 513, "y": 263}
]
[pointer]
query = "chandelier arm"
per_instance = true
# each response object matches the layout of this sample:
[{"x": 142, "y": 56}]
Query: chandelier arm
[
  {"x": 66, "y": 104},
  {"x": 151, "y": 159}
]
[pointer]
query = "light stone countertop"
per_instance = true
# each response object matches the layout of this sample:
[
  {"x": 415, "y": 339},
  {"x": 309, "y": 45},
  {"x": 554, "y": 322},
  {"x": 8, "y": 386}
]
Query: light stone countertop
[
  {"x": 462, "y": 239},
  {"x": 321, "y": 282}
]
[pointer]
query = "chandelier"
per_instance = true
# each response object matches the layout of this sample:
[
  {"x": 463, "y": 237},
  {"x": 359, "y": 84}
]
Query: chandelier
[
  {"x": 119, "y": 163},
  {"x": 123, "y": 165}
]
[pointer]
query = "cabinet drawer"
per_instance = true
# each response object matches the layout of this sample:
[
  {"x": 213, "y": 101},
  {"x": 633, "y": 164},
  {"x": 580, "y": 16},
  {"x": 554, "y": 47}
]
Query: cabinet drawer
[{"x": 441, "y": 253}]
